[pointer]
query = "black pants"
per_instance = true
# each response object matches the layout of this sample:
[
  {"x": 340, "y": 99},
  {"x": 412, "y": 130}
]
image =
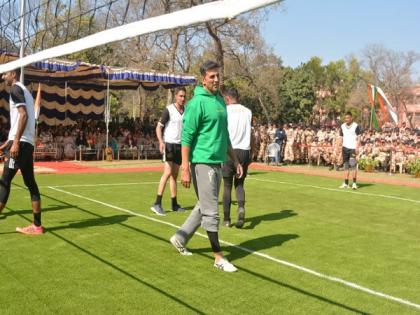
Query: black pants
[
  {"x": 24, "y": 162},
  {"x": 229, "y": 180}
]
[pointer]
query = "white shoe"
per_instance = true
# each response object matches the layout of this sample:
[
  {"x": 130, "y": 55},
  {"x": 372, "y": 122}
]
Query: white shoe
[
  {"x": 179, "y": 246},
  {"x": 344, "y": 186},
  {"x": 158, "y": 210},
  {"x": 224, "y": 265},
  {"x": 354, "y": 186}
]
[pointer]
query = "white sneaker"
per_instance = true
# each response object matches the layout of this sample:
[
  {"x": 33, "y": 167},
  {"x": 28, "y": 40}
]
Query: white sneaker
[
  {"x": 158, "y": 210},
  {"x": 179, "y": 246},
  {"x": 344, "y": 186},
  {"x": 224, "y": 265},
  {"x": 354, "y": 186}
]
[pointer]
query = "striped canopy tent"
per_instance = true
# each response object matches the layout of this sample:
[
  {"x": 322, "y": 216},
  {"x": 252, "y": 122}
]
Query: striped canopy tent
[{"x": 75, "y": 90}]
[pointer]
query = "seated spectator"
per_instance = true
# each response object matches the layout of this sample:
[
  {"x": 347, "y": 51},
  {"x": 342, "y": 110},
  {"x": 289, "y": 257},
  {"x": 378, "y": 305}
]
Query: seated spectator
[
  {"x": 69, "y": 146},
  {"x": 272, "y": 154},
  {"x": 130, "y": 142},
  {"x": 81, "y": 140}
]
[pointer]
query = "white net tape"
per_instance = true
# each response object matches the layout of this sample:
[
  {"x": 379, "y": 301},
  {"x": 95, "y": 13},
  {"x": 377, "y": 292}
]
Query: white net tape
[{"x": 202, "y": 13}]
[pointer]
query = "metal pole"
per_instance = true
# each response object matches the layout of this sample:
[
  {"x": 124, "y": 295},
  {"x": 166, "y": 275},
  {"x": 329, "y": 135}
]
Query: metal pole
[
  {"x": 22, "y": 36},
  {"x": 107, "y": 112},
  {"x": 65, "y": 103}
]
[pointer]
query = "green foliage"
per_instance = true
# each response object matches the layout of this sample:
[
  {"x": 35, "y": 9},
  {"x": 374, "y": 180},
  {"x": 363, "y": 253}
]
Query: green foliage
[
  {"x": 413, "y": 167},
  {"x": 296, "y": 95},
  {"x": 95, "y": 258},
  {"x": 368, "y": 164}
]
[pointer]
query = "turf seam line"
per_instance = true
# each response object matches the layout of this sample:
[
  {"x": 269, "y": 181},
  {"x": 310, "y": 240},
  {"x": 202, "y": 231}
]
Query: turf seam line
[
  {"x": 250, "y": 251},
  {"x": 337, "y": 190}
]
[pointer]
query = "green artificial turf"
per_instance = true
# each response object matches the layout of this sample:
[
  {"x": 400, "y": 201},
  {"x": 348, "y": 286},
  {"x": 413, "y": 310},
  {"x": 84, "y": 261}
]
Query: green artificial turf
[{"x": 98, "y": 257}]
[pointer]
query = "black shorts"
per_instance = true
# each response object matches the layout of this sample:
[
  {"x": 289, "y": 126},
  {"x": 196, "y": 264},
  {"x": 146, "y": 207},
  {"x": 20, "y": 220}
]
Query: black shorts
[
  {"x": 25, "y": 157},
  {"x": 349, "y": 158},
  {"x": 172, "y": 153},
  {"x": 244, "y": 158}
]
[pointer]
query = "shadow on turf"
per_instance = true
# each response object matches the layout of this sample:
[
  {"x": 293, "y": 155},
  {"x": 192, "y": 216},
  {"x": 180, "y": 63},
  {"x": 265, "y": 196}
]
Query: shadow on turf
[
  {"x": 169, "y": 295},
  {"x": 256, "y": 245},
  {"x": 362, "y": 185},
  {"x": 102, "y": 219},
  {"x": 254, "y": 221},
  {"x": 4, "y": 215},
  {"x": 303, "y": 292}
]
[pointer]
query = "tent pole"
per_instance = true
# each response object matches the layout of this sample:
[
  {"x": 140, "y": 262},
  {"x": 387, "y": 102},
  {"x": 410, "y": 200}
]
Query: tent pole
[
  {"x": 65, "y": 103},
  {"x": 107, "y": 111}
]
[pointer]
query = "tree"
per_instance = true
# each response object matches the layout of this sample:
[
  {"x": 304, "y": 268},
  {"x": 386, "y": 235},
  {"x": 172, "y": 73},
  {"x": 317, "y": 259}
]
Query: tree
[
  {"x": 391, "y": 71},
  {"x": 297, "y": 95}
]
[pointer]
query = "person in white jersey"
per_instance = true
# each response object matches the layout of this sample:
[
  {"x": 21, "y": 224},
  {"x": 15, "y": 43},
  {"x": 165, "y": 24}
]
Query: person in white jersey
[
  {"x": 350, "y": 131},
  {"x": 240, "y": 135},
  {"x": 170, "y": 147},
  {"x": 19, "y": 148}
]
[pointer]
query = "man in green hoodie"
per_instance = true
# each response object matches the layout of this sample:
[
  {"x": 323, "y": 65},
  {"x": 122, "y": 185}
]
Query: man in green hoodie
[{"x": 205, "y": 143}]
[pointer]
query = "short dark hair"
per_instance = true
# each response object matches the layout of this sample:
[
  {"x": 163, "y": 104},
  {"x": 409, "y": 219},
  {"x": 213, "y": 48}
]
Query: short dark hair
[
  {"x": 207, "y": 65},
  {"x": 349, "y": 114},
  {"x": 179, "y": 89},
  {"x": 17, "y": 71},
  {"x": 232, "y": 93}
]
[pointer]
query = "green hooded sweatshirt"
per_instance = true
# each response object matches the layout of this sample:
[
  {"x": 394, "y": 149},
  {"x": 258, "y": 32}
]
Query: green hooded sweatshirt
[{"x": 205, "y": 127}]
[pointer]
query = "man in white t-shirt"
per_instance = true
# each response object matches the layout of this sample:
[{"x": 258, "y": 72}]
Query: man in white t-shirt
[
  {"x": 170, "y": 147},
  {"x": 241, "y": 138},
  {"x": 19, "y": 149},
  {"x": 350, "y": 132}
]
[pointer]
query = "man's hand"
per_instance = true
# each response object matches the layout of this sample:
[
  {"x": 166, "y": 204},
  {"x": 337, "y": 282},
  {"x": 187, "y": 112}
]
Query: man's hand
[
  {"x": 185, "y": 176},
  {"x": 2, "y": 148},
  {"x": 14, "y": 150},
  {"x": 239, "y": 170},
  {"x": 161, "y": 147}
]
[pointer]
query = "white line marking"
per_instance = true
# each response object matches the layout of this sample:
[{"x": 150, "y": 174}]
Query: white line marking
[
  {"x": 109, "y": 184},
  {"x": 249, "y": 177},
  {"x": 88, "y": 185},
  {"x": 338, "y": 190},
  {"x": 250, "y": 251}
]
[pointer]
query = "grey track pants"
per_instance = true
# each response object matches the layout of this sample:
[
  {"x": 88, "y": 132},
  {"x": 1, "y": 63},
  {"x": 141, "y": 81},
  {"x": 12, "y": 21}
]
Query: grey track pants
[{"x": 206, "y": 180}]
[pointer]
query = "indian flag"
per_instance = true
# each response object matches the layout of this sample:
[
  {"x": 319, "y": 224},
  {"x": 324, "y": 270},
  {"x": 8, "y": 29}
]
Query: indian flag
[
  {"x": 37, "y": 104},
  {"x": 377, "y": 96}
]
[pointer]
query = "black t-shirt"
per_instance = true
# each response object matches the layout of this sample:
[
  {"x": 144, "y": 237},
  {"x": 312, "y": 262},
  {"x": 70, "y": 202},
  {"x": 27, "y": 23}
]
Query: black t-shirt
[
  {"x": 17, "y": 95},
  {"x": 165, "y": 116}
]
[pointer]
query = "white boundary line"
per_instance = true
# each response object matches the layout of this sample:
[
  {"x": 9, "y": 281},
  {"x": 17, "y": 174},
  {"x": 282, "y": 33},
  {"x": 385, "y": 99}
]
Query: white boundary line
[
  {"x": 250, "y": 251},
  {"x": 335, "y": 189},
  {"x": 88, "y": 185}
]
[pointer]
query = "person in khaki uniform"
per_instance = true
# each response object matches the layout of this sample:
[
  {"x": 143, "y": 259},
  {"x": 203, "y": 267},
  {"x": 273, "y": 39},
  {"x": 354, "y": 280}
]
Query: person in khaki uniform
[
  {"x": 264, "y": 139},
  {"x": 308, "y": 137},
  {"x": 290, "y": 139},
  {"x": 298, "y": 144},
  {"x": 337, "y": 154}
]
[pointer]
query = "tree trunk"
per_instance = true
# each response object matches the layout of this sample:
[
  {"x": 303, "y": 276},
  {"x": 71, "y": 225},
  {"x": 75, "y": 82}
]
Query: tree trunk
[
  {"x": 263, "y": 108},
  {"x": 404, "y": 109},
  {"x": 219, "y": 52},
  {"x": 174, "y": 39}
]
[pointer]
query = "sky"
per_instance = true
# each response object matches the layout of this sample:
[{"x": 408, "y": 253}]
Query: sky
[{"x": 332, "y": 30}]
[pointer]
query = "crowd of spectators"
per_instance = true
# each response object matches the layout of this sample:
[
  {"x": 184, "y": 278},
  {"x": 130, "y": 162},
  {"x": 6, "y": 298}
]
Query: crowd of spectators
[
  {"x": 391, "y": 147},
  {"x": 126, "y": 139}
]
